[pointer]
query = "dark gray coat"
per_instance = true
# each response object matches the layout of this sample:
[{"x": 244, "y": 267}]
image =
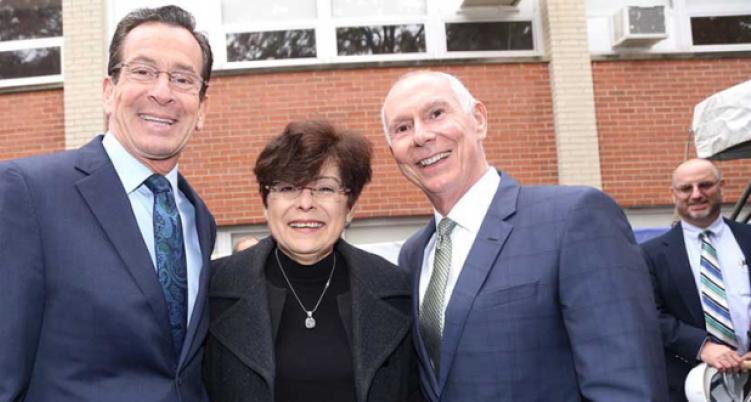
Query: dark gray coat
[{"x": 245, "y": 313}]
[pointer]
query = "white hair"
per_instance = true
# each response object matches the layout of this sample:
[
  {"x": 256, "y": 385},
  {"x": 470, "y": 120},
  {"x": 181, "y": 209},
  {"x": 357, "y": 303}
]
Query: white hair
[{"x": 463, "y": 96}]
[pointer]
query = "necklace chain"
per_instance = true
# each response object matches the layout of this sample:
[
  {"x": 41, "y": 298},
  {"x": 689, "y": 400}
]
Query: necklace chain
[{"x": 310, "y": 322}]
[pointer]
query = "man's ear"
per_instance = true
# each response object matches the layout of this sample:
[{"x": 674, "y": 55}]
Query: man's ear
[
  {"x": 202, "y": 108},
  {"x": 480, "y": 114},
  {"x": 108, "y": 93}
]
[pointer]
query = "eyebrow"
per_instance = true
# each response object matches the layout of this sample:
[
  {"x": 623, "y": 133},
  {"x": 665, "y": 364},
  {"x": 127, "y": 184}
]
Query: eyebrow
[
  {"x": 149, "y": 60},
  {"x": 431, "y": 105}
]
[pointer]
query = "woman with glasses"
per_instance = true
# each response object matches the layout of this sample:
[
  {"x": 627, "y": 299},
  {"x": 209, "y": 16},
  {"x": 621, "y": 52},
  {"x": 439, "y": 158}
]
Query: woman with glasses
[{"x": 303, "y": 315}]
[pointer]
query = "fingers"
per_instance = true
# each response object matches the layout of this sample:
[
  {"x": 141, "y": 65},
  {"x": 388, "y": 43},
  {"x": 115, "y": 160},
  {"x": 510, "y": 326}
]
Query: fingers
[{"x": 728, "y": 362}]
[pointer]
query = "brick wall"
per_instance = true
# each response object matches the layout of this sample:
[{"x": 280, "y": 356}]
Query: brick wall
[
  {"x": 245, "y": 111},
  {"x": 644, "y": 112},
  {"x": 32, "y": 123}
]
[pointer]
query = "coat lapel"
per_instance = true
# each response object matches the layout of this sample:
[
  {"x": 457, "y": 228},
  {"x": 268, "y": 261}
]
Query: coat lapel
[
  {"x": 742, "y": 234},
  {"x": 244, "y": 327},
  {"x": 415, "y": 259},
  {"x": 206, "y": 229},
  {"x": 377, "y": 327},
  {"x": 481, "y": 259},
  {"x": 681, "y": 274},
  {"x": 104, "y": 194}
]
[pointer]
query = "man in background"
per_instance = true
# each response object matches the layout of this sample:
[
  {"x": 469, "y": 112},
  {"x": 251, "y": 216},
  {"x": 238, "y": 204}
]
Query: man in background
[
  {"x": 701, "y": 279},
  {"x": 105, "y": 249}
]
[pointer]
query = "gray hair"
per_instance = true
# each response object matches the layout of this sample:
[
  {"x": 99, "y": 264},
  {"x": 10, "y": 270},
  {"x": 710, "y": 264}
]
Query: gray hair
[{"x": 463, "y": 96}]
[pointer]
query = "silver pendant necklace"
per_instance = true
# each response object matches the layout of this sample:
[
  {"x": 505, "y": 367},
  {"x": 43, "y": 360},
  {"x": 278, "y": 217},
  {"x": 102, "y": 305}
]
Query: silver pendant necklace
[{"x": 310, "y": 322}]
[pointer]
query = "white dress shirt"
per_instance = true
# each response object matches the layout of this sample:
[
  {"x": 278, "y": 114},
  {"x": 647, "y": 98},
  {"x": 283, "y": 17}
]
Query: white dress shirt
[
  {"x": 468, "y": 213},
  {"x": 734, "y": 273},
  {"x": 132, "y": 175}
]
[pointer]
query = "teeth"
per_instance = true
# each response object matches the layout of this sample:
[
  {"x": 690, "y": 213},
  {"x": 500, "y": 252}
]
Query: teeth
[
  {"x": 306, "y": 224},
  {"x": 433, "y": 159},
  {"x": 157, "y": 119}
]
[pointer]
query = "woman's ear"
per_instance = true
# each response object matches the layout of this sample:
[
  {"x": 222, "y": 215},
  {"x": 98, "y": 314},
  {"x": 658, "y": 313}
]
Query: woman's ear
[{"x": 350, "y": 215}]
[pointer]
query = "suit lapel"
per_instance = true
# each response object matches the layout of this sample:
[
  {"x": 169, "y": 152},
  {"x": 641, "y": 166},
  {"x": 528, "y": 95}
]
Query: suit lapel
[
  {"x": 681, "y": 274},
  {"x": 377, "y": 327},
  {"x": 103, "y": 192},
  {"x": 481, "y": 259},
  {"x": 244, "y": 327},
  {"x": 206, "y": 230},
  {"x": 742, "y": 234},
  {"x": 415, "y": 259}
]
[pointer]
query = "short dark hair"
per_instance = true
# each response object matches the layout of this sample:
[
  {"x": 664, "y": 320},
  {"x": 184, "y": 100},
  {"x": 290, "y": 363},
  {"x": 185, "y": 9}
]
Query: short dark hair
[
  {"x": 299, "y": 153},
  {"x": 170, "y": 15}
]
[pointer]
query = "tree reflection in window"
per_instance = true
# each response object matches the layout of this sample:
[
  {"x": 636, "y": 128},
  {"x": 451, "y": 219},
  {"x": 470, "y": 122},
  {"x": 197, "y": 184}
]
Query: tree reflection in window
[
  {"x": 380, "y": 39},
  {"x": 486, "y": 36},
  {"x": 290, "y": 44},
  {"x": 734, "y": 29},
  {"x": 30, "y": 62},
  {"x": 30, "y": 19}
]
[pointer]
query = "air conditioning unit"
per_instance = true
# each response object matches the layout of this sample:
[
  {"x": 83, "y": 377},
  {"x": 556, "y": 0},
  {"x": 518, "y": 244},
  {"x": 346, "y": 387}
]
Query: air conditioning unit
[
  {"x": 489, "y": 3},
  {"x": 639, "y": 26}
]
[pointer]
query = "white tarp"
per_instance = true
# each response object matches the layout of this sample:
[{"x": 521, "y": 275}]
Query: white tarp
[{"x": 723, "y": 120}]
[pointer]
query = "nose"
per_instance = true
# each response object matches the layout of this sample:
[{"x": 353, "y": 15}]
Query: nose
[
  {"x": 305, "y": 200},
  {"x": 695, "y": 192},
  {"x": 422, "y": 134},
  {"x": 161, "y": 91}
]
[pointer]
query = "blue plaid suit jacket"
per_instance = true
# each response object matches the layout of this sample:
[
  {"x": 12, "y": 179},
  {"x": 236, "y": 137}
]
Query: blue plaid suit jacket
[{"x": 552, "y": 304}]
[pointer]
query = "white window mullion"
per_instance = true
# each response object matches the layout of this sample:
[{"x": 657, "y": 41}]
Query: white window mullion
[
  {"x": 325, "y": 32},
  {"x": 435, "y": 31}
]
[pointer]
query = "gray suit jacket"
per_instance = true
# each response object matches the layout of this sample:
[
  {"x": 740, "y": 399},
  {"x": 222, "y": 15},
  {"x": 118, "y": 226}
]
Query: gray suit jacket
[
  {"x": 82, "y": 314},
  {"x": 552, "y": 304},
  {"x": 245, "y": 313}
]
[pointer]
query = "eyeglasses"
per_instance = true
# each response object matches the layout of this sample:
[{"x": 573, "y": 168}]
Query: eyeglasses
[
  {"x": 686, "y": 189},
  {"x": 320, "y": 190},
  {"x": 179, "y": 81}
]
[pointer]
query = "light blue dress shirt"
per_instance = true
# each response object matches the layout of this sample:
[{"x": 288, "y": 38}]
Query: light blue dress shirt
[
  {"x": 734, "y": 273},
  {"x": 132, "y": 174}
]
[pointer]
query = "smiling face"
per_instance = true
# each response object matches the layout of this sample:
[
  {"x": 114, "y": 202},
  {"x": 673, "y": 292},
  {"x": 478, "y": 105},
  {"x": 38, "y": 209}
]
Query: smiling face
[
  {"x": 697, "y": 192},
  {"x": 152, "y": 121},
  {"x": 306, "y": 228},
  {"x": 435, "y": 142}
]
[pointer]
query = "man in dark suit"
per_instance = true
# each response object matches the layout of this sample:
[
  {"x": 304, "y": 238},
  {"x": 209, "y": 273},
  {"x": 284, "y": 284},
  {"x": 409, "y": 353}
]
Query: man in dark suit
[
  {"x": 525, "y": 293},
  {"x": 105, "y": 249},
  {"x": 677, "y": 262}
]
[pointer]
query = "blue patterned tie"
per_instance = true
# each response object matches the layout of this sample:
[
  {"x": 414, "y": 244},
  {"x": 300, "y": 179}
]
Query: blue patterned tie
[
  {"x": 713, "y": 298},
  {"x": 170, "y": 256}
]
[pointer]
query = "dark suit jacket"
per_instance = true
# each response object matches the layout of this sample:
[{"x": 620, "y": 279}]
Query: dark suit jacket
[
  {"x": 245, "y": 313},
  {"x": 678, "y": 302},
  {"x": 552, "y": 304},
  {"x": 83, "y": 314}
]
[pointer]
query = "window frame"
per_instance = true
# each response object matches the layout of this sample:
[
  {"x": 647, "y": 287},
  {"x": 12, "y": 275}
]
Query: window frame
[{"x": 36, "y": 43}]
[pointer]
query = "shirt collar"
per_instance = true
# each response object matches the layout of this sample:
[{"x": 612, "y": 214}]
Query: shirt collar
[
  {"x": 131, "y": 171},
  {"x": 469, "y": 211},
  {"x": 694, "y": 231}
]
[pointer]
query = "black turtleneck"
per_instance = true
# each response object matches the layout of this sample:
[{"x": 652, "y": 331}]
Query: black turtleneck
[{"x": 311, "y": 364}]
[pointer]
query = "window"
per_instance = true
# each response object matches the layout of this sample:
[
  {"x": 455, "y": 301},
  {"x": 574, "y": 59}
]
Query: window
[
  {"x": 30, "y": 41},
  {"x": 719, "y": 25},
  {"x": 269, "y": 45},
  {"x": 263, "y": 33},
  {"x": 380, "y": 39},
  {"x": 721, "y": 30},
  {"x": 485, "y": 36}
]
